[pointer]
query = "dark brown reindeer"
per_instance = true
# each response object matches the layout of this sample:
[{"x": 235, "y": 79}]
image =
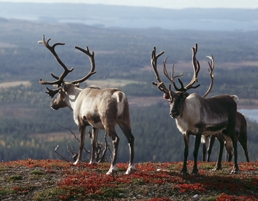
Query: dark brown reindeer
[
  {"x": 241, "y": 135},
  {"x": 92, "y": 106},
  {"x": 222, "y": 137},
  {"x": 195, "y": 115}
]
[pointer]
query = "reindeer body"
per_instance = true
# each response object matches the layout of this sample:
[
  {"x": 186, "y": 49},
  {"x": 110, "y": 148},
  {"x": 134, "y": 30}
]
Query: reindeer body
[
  {"x": 197, "y": 116},
  {"x": 110, "y": 102},
  {"x": 203, "y": 114},
  {"x": 100, "y": 109},
  {"x": 92, "y": 106}
]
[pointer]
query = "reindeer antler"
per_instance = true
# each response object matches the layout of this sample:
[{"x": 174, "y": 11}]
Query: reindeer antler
[
  {"x": 92, "y": 61},
  {"x": 59, "y": 80},
  {"x": 154, "y": 59},
  {"x": 52, "y": 92},
  {"x": 66, "y": 71},
  {"x": 196, "y": 68},
  {"x": 211, "y": 68}
]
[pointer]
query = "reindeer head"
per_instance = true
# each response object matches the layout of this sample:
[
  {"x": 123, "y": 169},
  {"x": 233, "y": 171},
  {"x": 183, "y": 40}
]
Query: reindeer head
[
  {"x": 64, "y": 89},
  {"x": 176, "y": 98},
  {"x": 65, "y": 92}
]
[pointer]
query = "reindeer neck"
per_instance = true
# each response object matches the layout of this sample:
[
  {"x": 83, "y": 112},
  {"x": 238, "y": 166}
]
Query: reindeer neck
[{"x": 72, "y": 96}]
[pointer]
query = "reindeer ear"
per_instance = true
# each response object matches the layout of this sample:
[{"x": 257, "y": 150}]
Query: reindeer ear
[
  {"x": 77, "y": 85},
  {"x": 166, "y": 96}
]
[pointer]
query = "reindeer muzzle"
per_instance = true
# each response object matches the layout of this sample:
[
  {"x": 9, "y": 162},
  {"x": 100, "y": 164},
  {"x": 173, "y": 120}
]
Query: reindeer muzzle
[
  {"x": 53, "y": 106},
  {"x": 174, "y": 113}
]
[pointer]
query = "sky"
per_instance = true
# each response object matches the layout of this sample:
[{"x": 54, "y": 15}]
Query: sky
[{"x": 174, "y": 4}]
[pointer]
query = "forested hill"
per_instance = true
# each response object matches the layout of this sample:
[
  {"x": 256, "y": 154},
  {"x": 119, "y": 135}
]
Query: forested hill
[
  {"x": 30, "y": 129},
  {"x": 143, "y": 17}
]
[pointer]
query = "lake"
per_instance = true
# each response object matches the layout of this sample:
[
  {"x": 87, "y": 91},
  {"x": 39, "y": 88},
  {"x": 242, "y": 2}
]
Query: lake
[{"x": 251, "y": 114}]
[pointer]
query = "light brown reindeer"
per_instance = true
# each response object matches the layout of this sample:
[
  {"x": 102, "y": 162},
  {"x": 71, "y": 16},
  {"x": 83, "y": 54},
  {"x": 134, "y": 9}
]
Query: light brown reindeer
[
  {"x": 92, "y": 106},
  {"x": 195, "y": 115}
]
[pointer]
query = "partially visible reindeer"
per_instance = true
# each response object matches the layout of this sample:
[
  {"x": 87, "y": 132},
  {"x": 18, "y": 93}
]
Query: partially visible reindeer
[
  {"x": 92, "y": 106},
  {"x": 241, "y": 135},
  {"x": 195, "y": 115},
  {"x": 240, "y": 131}
]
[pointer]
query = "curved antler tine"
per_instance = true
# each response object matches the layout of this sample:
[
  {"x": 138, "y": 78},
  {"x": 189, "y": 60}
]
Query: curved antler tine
[
  {"x": 92, "y": 61},
  {"x": 182, "y": 88},
  {"x": 154, "y": 59},
  {"x": 54, "y": 76},
  {"x": 211, "y": 64},
  {"x": 171, "y": 79},
  {"x": 211, "y": 68},
  {"x": 165, "y": 70},
  {"x": 160, "y": 85},
  {"x": 196, "y": 68},
  {"x": 52, "y": 92}
]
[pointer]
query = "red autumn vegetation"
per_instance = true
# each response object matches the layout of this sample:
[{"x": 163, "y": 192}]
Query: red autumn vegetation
[{"x": 59, "y": 180}]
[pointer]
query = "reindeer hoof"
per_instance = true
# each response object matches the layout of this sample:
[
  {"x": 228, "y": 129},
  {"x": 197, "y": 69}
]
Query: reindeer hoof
[
  {"x": 184, "y": 173},
  {"x": 111, "y": 170},
  {"x": 76, "y": 162},
  {"x": 92, "y": 162},
  {"x": 234, "y": 171},
  {"x": 195, "y": 172},
  {"x": 130, "y": 169},
  {"x": 216, "y": 168}
]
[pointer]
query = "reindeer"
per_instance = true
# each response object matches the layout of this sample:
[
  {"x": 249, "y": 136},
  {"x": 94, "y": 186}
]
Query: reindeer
[
  {"x": 195, "y": 115},
  {"x": 241, "y": 135},
  {"x": 92, "y": 106},
  {"x": 240, "y": 131}
]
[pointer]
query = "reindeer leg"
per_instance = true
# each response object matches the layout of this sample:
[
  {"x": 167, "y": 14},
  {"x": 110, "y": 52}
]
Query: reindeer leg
[
  {"x": 82, "y": 129},
  {"x": 204, "y": 150},
  {"x": 130, "y": 138},
  {"x": 93, "y": 145},
  {"x": 221, "y": 147},
  {"x": 186, "y": 142},
  {"x": 231, "y": 132},
  {"x": 115, "y": 141},
  {"x": 212, "y": 140},
  {"x": 195, "y": 153},
  {"x": 243, "y": 142},
  {"x": 235, "y": 167}
]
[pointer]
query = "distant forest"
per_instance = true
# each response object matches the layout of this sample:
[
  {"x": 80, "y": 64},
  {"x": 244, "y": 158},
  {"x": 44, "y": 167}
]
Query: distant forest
[{"x": 121, "y": 54}]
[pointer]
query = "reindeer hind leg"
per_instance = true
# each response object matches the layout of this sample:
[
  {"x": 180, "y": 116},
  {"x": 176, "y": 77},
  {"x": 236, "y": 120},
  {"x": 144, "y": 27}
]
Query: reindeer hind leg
[
  {"x": 243, "y": 141},
  {"x": 94, "y": 139},
  {"x": 130, "y": 138},
  {"x": 115, "y": 140}
]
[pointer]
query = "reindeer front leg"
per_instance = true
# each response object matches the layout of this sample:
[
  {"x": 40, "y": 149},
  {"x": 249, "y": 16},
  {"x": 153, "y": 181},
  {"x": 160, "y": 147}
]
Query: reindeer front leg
[
  {"x": 82, "y": 129},
  {"x": 212, "y": 140},
  {"x": 94, "y": 138},
  {"x": 186, "y": 142},
  {"x": 218, "y": 164},
  {"x": 196, "y": 149}
]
